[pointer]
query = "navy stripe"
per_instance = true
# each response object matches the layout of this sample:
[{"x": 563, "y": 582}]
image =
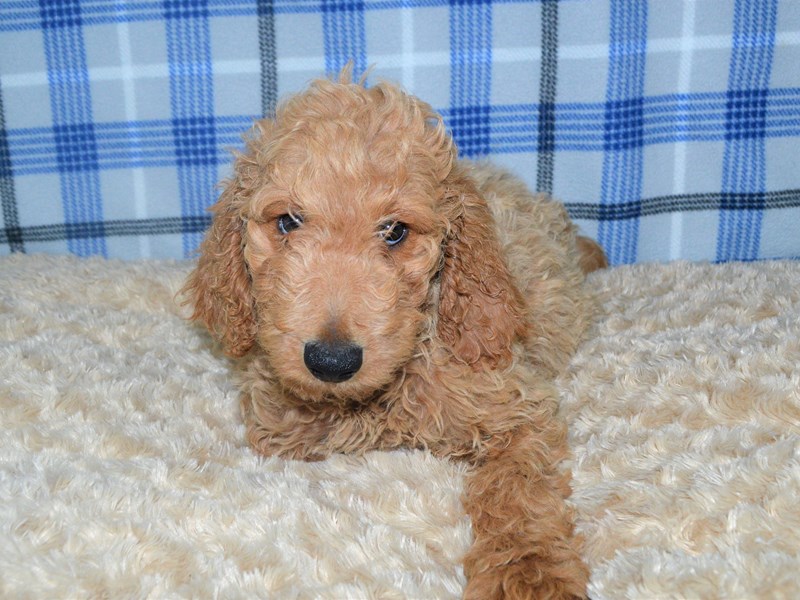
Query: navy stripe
[
  {"x": 470, "y": 76},
  {"x": 510, "y": 129},
  {"x": 122, "y": 145},
  {"x": 546, "y": 141},
  {"x": 73, "y": 126},
  {"x": 24, "y": 18},
  {"x": 192, "y": 107},
  {"x": 112, "y": 228},
  {"x": 268, "y": 56},
  {"x": 344, "y": 35},
  {"x": 8, "y": 195},
  {"x": 659, "y": 205},
  {"x": 199, "y": 223},
  {"x": 744, "y": 162},
  {"x": 623, "y": 134}
]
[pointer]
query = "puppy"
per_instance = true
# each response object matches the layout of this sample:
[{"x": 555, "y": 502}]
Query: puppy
[{"x": 386, "y": 294}]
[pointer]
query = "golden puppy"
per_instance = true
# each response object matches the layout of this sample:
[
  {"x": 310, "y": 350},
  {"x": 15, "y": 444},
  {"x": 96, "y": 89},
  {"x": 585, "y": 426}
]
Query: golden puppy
[{"x": 389, "y": 295}]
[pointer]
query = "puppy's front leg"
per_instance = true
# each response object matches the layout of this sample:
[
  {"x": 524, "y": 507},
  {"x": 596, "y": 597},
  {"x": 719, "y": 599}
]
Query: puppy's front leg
[
  {"x": 288, "y": 433},
  {"x": 523, "y": 544},
  {"x": 280, "y": 426}
]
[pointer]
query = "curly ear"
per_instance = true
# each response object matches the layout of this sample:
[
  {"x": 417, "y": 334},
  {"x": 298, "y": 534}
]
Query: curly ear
[
  {"x": 481, "y": 311},
  {"x": 219, "y": 287}
]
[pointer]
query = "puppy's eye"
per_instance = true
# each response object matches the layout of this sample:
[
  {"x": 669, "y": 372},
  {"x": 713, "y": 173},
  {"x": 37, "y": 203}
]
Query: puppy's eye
[
  {"x": 288, "y": 223},
  {"x": 393, "y": 233}
]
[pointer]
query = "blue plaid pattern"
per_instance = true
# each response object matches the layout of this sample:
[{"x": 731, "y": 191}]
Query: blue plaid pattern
[{"x": 670, "y": 128}]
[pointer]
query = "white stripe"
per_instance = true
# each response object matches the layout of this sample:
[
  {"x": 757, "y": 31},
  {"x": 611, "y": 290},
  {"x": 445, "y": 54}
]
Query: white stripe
[
  {"x": 399, "y": 61},
  {"x": 684, "y": 85},
  {"x": 131, "y": 115},
  {"x": 393, "y": 61},
  {"x": 405, "y": 60},
  {"x": 408, "y": 48},
  {"x": 671, "y": 44}
]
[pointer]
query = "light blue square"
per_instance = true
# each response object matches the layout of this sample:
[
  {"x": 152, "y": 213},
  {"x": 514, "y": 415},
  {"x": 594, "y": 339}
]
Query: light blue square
[
  {"x": 665, "y": 19},
  {"x": 166, "y": 246},
  {"x": 703, "y": 167},
  {"x": 698, "y": 239},
  {"x": 27, "y": 106},
  {"x": 130, "y": 245},
  {"x": 152, "y": 98},
  {"x": 432, "y": 84},
  {"x": 46, "y": 247},
  {"x": 103, "y": 45},
  {"x": 109, "y": 102},
  {"x": 517, "y": 25},
  {"x": 22, "y": 52},
  {"x": 237, "y": 94},
  {"x": 235, "y": 39},
  {"x": 431, "y": 27},
  {"x": 119, "y": 189},
  {"x": 713, "y": 17},
  {"x": 515, "y": 82},
  {"x": 299, "y": 35},
  {"x": 785, "y": 70},
  {"x": 148, "y": 41},
  {"x": 659, "y": 169},
  {"x": 384, "y": 31},
  {"x": 583, "y": 23},
  {"x": 162, "y": 192},
  {"x": 653, "y": 230},
  {"x": 38, "y": 199},
  {"x": 709, "y": 70},
  {"x": 662, "y": 73},
  {"x": 783, "y": 164},
  {"x": 577, "y": 176},
  {"x": 780, "y": 232},
  {"x": 582, "y": 80}
]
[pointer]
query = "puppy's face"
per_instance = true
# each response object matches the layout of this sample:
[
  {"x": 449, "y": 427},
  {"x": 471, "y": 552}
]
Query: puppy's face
[{"x": 343, "y": 237}]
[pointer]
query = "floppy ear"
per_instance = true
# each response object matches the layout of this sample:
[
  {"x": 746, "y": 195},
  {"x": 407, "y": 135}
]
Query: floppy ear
[
  {"x": 481, "y": 311},
  {"x": 219, "y": 287}
]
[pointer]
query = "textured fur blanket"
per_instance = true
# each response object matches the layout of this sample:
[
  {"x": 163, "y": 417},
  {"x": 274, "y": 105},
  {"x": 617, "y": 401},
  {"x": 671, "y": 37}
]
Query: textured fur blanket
[{"x": 123, "y": 471}]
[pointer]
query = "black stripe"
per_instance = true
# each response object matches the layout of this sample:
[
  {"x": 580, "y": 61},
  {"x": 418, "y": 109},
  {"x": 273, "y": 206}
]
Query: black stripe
[
  {"x": 546, "y": 140},
  {"x": 89, "y": 229},
  {"x": 268, "y": 56},
  {"x": 685, "y": 203},
  {"x": 577, "y": 210},
  {"x": 11, "y": 233}
]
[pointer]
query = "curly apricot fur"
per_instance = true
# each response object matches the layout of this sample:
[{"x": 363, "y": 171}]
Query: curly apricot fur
[{"x": 463, "y": 325}]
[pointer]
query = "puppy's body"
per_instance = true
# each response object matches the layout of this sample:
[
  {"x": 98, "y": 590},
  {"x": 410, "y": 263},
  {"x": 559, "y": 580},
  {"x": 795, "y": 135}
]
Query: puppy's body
[{"x": 388, "y": 295}]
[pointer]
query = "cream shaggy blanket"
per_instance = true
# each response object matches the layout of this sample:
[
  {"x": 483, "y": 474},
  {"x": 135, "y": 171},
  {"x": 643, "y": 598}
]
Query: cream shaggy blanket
[{"x": 123, "y": 472}]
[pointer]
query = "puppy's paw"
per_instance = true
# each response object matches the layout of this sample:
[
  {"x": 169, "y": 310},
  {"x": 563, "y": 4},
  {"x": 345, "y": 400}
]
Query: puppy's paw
[{"x": 528, "y": 578}]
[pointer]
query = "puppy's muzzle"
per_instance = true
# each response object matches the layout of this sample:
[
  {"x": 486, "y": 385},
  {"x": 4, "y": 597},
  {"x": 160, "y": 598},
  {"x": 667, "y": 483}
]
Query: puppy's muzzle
[{"x": 332, "y": 362}]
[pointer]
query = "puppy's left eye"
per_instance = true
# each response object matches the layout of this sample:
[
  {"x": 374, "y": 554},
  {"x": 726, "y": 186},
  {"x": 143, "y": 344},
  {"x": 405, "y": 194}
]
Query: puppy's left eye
[
  {"x": 288, "y": 223},
  {"x": 393, "y": 232}
]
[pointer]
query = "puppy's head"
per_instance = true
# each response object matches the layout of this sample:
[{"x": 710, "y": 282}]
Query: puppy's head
[{"x": 326, "y": 241}]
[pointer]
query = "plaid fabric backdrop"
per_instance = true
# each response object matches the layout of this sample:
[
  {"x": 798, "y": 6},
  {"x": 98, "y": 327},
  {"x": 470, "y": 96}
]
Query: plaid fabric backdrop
[{"x": 669, "y": 128}]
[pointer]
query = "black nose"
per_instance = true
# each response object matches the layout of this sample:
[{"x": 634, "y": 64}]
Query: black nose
[{"x": 332, "y": 361}]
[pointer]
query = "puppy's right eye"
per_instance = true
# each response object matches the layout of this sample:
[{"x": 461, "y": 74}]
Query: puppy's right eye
[{"x": 288, "y": 223}]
